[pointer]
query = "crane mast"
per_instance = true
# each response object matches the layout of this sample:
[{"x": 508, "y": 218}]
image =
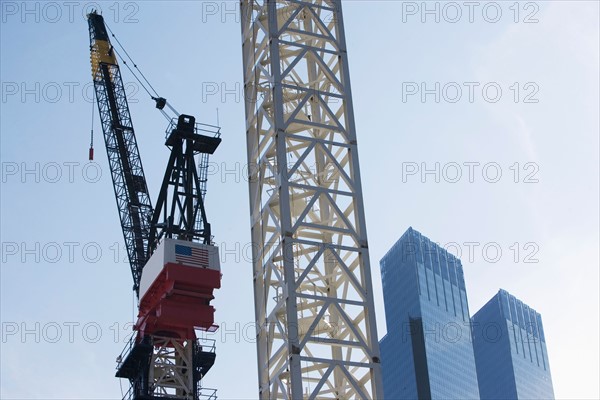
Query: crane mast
[
  {"x": 175, "y": 265},
  {"x": 314, "y": 308}
]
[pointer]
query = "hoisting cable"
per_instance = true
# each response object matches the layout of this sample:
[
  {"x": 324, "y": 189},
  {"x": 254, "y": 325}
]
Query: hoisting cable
[
  {"x": 129, "y": 57},
  {"x": 172, "y": 109},
  {"x": 91, "y": 152},
  {"x": 160, "y": 101}
]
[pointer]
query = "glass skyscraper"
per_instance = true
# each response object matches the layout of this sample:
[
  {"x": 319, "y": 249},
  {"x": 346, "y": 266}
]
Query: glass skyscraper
[
  {"x": 427, "y": 352},
  {"x": 510, "y": 350}
]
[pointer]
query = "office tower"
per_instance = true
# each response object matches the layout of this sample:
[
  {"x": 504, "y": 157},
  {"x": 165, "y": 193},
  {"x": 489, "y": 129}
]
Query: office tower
[
  {"x": 427, "y": 352},
  {"x": 510, "y": 350}
]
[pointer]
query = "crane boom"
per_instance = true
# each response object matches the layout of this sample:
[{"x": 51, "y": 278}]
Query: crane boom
[{"x": 129, "y": 182}]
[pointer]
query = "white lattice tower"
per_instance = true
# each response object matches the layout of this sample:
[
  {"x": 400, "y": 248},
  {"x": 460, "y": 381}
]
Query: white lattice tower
[{"x": 316, "y": 336}]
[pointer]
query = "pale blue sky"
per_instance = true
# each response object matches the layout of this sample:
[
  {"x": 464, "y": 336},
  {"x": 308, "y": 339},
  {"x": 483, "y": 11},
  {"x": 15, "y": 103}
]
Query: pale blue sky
[{"x": 187, "y": 49}]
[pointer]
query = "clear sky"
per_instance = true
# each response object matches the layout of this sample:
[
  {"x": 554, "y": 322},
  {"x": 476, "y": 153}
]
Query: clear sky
[{"x": 502, "y": 170}]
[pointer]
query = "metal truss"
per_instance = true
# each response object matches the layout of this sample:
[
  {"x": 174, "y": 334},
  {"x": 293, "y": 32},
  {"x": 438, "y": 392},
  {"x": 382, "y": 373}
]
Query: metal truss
[
  {"x": 316, "y": 335},
  {"x": 129, "y": 182},
  {"x": 166, "y": 368},
  {"x": 177, "y": 368},
  {"x": 171, "y": 372},
  {"x": 180, "y": 211}
]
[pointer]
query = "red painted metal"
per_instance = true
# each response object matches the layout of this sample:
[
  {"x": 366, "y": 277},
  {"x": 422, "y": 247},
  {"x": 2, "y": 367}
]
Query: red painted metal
[{"x": 179, "y": 301}]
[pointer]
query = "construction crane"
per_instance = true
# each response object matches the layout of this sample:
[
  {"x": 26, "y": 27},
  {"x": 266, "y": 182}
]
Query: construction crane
[
  {"x": 174, "y": 263},
  {"x": 314, "y": 307}
]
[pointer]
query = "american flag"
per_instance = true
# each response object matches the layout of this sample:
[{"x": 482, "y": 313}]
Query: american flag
[{"x": 191, "y": 256}]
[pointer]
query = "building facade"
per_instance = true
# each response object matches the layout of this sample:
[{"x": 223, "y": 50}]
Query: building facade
[
  {"x": 427, "y": 352},
  {"x": 510, "y": 350}
]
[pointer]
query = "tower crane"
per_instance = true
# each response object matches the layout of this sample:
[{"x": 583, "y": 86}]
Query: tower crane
[{"x": 174, "y": 263}]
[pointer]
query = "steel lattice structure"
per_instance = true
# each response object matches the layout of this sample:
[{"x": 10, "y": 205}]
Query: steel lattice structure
[
  {"x": 316, "y": 335},
  {"x": 129, "y": 182},
  {"x": 180, "y": 209}
]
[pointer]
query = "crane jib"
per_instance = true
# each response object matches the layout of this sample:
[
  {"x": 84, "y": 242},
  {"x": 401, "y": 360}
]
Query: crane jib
[
  {"x": 96, "y": 22},
  {"x": 129, "y": 182}
]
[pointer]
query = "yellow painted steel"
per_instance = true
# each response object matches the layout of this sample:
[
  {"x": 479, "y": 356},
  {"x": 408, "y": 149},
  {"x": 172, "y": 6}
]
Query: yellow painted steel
[{"x": 101, "y": 53}]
